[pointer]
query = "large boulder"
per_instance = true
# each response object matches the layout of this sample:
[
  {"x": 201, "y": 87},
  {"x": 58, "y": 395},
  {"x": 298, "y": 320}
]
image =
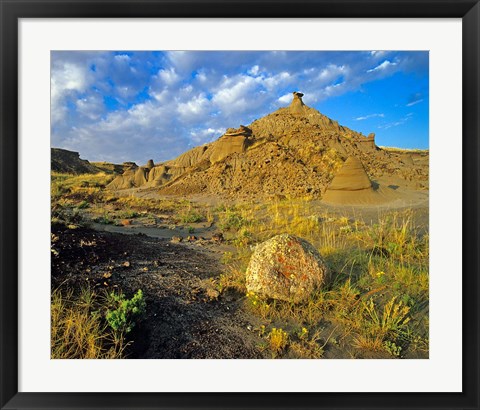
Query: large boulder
[{"x": 287, "y": 268}]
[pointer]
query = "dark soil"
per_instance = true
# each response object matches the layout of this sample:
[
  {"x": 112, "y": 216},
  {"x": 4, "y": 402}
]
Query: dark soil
[{"x": 186, "y": 317}]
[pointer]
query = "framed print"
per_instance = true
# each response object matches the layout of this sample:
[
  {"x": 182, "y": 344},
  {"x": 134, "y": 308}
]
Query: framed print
[{"x": 239, "y": 205}]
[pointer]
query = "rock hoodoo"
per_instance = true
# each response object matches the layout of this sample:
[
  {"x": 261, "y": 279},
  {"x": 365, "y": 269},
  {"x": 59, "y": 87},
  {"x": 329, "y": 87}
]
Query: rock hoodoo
[
  {"x": 287, "y": 268},
  {"x": 351, "y": 177},
  {"x": 297, "y": 105},
  {"x": 351, "y": 185}
]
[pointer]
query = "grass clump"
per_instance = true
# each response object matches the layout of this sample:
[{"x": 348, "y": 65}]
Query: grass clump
[
  {"x": 278, "y": 340},
  {"x": 191, "y": 216},
  {"x": 231, "y": 219}
]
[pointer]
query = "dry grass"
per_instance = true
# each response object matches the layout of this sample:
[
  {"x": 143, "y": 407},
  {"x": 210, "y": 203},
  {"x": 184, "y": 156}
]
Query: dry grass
[
  {"x": 379, "y": 294},
  {"x": 378, "y": 298},
  {"x": 77, "y": 332}
]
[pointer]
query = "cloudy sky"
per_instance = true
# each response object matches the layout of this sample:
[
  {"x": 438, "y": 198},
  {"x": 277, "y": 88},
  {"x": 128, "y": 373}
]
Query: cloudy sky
[{"x": 132, "y": 106}]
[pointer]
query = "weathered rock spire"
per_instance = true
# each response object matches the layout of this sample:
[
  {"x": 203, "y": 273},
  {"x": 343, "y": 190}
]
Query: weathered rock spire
[{"x": 297, "y": 105}]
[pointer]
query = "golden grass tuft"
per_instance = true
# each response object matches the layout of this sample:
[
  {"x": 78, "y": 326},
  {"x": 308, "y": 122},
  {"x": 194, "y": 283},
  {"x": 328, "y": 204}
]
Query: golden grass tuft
[{"x": 77, "y": 332}]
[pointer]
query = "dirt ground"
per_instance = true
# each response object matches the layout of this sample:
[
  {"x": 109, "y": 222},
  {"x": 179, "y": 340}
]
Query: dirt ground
[{"x": 186, "y": 317}]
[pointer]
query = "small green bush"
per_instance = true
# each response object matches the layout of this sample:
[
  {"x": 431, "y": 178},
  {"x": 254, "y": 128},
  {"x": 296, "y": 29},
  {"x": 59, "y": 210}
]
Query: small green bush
[
  {"x": 232, "y": 220},
  {"x": 125, "y": 311}
]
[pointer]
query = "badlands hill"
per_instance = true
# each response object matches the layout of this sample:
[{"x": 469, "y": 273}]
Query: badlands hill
[{"x": 293, "y": 152}]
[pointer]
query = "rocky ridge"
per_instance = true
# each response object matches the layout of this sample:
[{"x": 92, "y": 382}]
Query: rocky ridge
[{"x": 69, "y": 162}]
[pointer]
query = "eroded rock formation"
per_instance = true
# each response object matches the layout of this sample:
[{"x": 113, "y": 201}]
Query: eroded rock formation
[{"x": 294, "y": 151}]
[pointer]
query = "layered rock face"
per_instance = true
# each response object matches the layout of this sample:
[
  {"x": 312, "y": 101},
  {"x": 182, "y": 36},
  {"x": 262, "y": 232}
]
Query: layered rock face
[
  {"x": 227, "y": 145},
  {"x": 294, "y": 151}
]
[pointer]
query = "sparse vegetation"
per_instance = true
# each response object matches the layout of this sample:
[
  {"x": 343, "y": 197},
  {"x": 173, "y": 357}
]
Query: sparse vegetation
[
  {"x": 378, "y": 299},
  {"x": 375, "y": 306},
  {"x": 84, "y": 326}
]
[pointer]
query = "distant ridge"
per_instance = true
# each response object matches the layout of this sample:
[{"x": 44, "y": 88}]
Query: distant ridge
[{"x": 69, "y": 162}]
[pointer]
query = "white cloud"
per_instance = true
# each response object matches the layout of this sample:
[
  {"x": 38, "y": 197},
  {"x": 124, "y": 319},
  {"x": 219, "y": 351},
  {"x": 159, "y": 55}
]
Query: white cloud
[
  {"x": 377, "y": 54},
  {"x": 401, "y": 121},
  {"x": 285, "y": 99},
  {"x": 169, "y": 77},
  {"x": 161, "y": 96},
  {"x": 255, "y": 70},
  {"x": 202, "y": 77},
  {"x": 275, "y": 81},
  {"x": 200, "y": 136},
  {"x": 122, "y": 58},
  {"x": 331, "y": 72},
  {"x": 66, "y": 79},
  {"x": 91, "y": 107},
  {"x": 366, "y": 117},
  {"x": 333, "y": 89},
  {"x": 194, "y": 108},
  {"x": 414, "y": 102},
  {"x": 383, "y": 66},
  {"x": 236, "y": 94}
]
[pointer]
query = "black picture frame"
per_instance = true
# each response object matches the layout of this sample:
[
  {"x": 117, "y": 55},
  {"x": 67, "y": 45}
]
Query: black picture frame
[{"x": 12, "y": 11}]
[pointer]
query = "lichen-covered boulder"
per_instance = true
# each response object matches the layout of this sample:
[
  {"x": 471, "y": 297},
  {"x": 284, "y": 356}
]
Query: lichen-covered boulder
[{"x": 287, "y": 268}]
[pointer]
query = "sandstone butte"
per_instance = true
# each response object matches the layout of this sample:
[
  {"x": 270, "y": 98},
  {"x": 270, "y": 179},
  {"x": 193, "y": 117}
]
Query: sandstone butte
[{"x": 293, "y": 152}]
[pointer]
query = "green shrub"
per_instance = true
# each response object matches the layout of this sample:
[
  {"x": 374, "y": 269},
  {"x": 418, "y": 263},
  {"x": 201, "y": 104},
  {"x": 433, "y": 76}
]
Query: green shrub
[
  {"x": 122, "y": 316},
  {"x": 232, "y": 220}
]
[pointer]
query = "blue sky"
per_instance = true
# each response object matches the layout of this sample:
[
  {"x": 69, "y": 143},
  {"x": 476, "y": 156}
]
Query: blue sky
[{"x": 132, "y": 106}]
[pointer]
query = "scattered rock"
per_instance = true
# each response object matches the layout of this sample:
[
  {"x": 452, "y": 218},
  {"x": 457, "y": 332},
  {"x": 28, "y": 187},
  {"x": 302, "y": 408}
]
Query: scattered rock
[
  {"x": 287, "y": 268},
  {"x": 217, "y": 237},
  {"x": 176, "y": 239}
]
